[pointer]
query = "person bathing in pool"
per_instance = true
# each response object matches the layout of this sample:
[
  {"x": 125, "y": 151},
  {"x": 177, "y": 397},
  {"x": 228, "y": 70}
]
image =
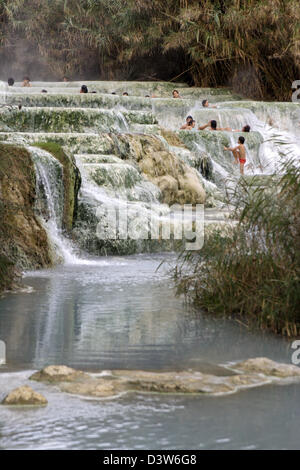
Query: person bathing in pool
[
  {"x": 212, "y": 126},
  {"x": 239, "y": 153},
  {"x": 188, "y": 123},
  {"x": 84, "y": 89},
  {"x": 206, "y": 104},
  {"x": 175, "y": 94},
  {"x": 246, "y": 128},
  {"x": 191, "y": 125},
  {"x": 26, "y": 82}
]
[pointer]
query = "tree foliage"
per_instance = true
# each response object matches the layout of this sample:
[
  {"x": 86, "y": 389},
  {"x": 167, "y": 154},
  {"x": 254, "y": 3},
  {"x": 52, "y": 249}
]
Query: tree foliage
[{"x": 254, "y": 44}]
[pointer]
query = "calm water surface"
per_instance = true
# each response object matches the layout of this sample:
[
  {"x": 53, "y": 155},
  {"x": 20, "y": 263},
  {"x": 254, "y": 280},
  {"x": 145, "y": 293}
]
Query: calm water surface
[{"x": 123, "y": 313}]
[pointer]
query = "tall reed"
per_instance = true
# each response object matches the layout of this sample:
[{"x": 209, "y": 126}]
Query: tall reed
[{"x": 251, "y": 271}]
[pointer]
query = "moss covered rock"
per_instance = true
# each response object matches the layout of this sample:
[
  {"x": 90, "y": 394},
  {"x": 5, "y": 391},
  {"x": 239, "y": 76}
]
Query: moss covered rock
[
  {"x": 8, "y": 273},
  {"x": 71, "y": 180},
  {"x": 23, "y": 241}
]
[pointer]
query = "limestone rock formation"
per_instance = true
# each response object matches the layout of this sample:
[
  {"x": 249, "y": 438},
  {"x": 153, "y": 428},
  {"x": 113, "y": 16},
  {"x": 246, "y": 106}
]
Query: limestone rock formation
[
  {"x": 178, "y": 182},
  {"x": 251, "y": 373},
  {"x": 24, "y": 395},
  {"x": 23, "y": 240},
  {"x": 71, "y": 180},
  {"x": 268, "y": 367},
  {"x": 59, "y": 373},
  {"x": 24, "y": 243}
]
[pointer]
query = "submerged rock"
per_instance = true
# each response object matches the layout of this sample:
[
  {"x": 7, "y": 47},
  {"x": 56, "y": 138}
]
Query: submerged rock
[
  {"x": 251, "y": 373},
  {"x": 58, "y": 374},
  {"x": 98, "y": 388},
  {"x": 263, "y": 365},
  {"x": 24, "y": 395}
]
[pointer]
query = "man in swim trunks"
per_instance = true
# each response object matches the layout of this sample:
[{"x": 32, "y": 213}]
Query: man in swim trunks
[{"x": 239, "y": 153}]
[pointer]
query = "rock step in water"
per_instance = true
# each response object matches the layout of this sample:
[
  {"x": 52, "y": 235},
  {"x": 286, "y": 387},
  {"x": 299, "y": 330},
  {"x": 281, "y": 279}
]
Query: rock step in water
[
  {"x": 284, "y": 115},
  {"x": 250, "y": 373},
  {"x": 96, "y": 158},
  {"x": 72, "y": 119},
  {"x": 132, "y": 88},
  {"x": 116, "y": 175},
  {"x": 41, "y": 89},
  {"x": 75, "y": 142},
  {"x": 172, "y": 117},
  {"x": 89, "y": 100},
  {"x": 24, "y": 395},
  {"x": 100, "y": 100},
  {"x": 110, "y": 86}
]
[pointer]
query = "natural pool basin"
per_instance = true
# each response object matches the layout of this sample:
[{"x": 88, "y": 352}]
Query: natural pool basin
[{"x": 121, "y": 313}]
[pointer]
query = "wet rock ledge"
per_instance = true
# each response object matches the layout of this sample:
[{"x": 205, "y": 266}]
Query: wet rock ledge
[
  {"x": 24, "y": 395},
  {"x": 250, "y": 373}
]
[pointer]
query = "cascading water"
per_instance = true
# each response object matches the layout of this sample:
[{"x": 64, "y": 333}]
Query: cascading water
[
  {"x": 49, "y": 205},
  {"x": 124, "y": 315},
  {"x": 91, "y": 126},
  {"x": 50, "y": 201},
  {"x": 278, "y": 142}
]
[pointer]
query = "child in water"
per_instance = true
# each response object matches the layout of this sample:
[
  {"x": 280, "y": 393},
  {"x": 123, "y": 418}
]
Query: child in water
[
  {"x": 26, "y": 82},
  {"x": 239, "y": 153}
]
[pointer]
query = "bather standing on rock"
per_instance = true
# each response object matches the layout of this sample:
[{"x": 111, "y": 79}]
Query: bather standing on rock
[{"x": 239, "y": 153}]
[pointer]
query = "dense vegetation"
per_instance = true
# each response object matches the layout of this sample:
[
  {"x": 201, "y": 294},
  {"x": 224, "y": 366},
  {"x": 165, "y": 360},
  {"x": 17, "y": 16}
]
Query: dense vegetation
[
  {"x": 253, "y": 45},
  {"x": 252, "y": 273}
]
